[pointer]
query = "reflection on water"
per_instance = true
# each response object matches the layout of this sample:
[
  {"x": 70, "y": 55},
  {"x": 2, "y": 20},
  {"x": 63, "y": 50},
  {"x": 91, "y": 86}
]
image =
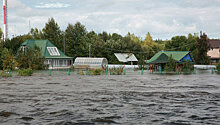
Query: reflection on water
[{"x": 129, "y": 99}]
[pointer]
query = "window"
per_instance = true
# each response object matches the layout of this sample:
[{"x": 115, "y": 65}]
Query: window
[{"x": 53, "y": 51}]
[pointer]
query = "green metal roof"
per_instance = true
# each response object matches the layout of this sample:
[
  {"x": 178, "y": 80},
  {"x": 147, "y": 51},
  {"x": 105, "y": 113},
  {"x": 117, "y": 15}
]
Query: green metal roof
[
  {"x": 162, "y": 56},
  {"x": 43, "y": 44}
]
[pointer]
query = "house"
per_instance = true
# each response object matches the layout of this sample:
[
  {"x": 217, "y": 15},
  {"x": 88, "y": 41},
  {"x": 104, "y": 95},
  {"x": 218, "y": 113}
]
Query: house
[
  {"x": 214, "y": 51},
  {"x": 90, "y": 63},
  {"x": 161, "y": 58},
  {"x": 126, "y": 58},
  {"x": 54, "y": 57}
]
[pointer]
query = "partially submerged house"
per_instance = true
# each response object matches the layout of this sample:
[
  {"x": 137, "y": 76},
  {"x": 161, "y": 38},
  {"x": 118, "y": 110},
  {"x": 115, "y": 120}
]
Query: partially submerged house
[
  {"x": 126, "y": 58},
  {"x": 55, "y": 58},
  {"x": 90, "y": 63},
  {"x": 214, "y": 51},
  {"x": 160, "y": 59}
]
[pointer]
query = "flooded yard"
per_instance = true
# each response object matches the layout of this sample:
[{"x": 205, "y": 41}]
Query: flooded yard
[{"x": 113, "y": 99}]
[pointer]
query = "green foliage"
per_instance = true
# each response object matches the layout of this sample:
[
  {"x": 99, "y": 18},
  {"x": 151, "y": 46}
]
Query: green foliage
[
  {"x": 25, "y": 72},
  {"x": 52, "y": 32},
  {"x": 218, "y": 66},
  {"x": 116, "y": 71},
  {"x": 171, "y": 65},
  {"x": 141, "y": 63},
  {"x": 96, "y": 71},
  {"x": 14, "y": 43},
  {"x": 76, "y": 40},
  {"x": 183, "y": 43},
  {"x": 8, "y": 60},
  {"x": 31, "y": 58},
  {"x": 80, "y": 72},
  {"x": 203, "y": 46},
  {"x": 187, "y": 67},
  {"x": 4, "y": 74},
  {"x": 1, "y": 34}
]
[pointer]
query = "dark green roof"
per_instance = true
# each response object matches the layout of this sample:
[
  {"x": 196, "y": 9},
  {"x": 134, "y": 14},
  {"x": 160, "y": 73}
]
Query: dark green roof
[
  {"x": 43, "y": 44},
  {"x": 162, "y": 56}
]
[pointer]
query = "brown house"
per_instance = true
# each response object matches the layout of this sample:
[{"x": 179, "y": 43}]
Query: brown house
[{"x": 214, "y": 51}]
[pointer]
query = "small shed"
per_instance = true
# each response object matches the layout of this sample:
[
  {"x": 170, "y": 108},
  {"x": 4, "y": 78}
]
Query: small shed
[
  {"x": 90, "y": 63},
  {"x": 161, "y": 58},
  {"x": 126, "y": 57}
]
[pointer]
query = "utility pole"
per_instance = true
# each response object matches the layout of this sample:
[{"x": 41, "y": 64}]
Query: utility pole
[{"x": 89, "y": 49}]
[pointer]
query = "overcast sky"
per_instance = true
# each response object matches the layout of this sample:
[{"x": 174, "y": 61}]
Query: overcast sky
[{"x": 162, "y": 18}]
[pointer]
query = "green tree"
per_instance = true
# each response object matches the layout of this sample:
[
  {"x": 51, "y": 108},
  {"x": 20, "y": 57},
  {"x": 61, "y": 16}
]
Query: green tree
[
  {"x": 171, "y": 64},
  {"x": 52, "y": 32},
  {"x": 77, "y": 42},
  {"x": 14, "y": 43},
  {"x": 1, "y": 35},
  {"x": 203, "y": 46},
  {"x": 8, "y": 60},
  {"x": 31, "y": 58},
  {"x": 36, "y": 33}
]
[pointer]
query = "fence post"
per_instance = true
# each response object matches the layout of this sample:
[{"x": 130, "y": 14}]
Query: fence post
[
  {"x": 106, "y": 71},
  {"x": 10, "y": 72},
  {"x": 212, "y": 71},
  {"x": 87, "y": 72},
  {"x": 123, "y": 71},
  {"x": 194, "y": 72},
  {"x": 68, "y": 71},
  {"x": 49, "y": 72}
]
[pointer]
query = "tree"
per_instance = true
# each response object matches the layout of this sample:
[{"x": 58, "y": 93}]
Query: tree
[
  {"x": 77, "y": 42},
  {"x": 8, "y": 60},
  {"x": 52, "y": 32},
  {"x": 1, "y": 35},
  {"x": 36, "y": 33},
  {"x": 14, "y": 43},
  {"x": 171, "y": 64},
  {"x": 31, "y": 58},
  {"x": 203, "y": 46}
]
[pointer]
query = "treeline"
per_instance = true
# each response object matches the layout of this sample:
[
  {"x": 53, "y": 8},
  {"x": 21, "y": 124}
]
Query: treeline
[{"x": 77, "y": 40}]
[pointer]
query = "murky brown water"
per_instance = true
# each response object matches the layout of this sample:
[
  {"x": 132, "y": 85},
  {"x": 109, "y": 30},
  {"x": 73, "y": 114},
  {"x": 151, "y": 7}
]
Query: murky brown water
[{"x": 129, "y": 99}]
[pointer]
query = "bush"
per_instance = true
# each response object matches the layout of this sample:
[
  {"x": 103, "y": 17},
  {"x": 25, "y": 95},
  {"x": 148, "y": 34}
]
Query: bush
[
  {"x": 187, "y": 67},
  {"x": 218, "y": 68},
  {"x": 96, "y": 71},
  {"x": 25, "y": 72},
  {"x": 4, "y": 74},
  {"x": 116, "y": 71},
  {"x": 80, "y": 72}
]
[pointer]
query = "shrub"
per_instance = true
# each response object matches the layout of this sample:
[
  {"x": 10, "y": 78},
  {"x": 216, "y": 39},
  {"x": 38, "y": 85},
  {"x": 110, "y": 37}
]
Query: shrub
[
  {"x": 116, "y": 71},
  {"x": 218, "y": 68},
  {"x": 96, "y": 71},
  {"x": 187, "y": 67},
  {"x": 171, "y": 65},
  {"x": 80, "y": 72},
  {"x": 4, "y": 74},
  {"x": 25, "y": 72}
]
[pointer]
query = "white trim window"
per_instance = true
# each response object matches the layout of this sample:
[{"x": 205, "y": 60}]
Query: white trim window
[{"x": 53, "y": 51}]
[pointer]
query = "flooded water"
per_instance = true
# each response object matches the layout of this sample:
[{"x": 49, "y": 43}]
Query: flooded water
[{"x": 125, "y": 99}]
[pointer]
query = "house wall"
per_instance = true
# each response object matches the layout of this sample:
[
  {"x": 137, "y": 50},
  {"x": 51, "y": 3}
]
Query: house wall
[
  {"x": 214, "y": 53},
  {"x": 58, "y": 62},
  {"x": 187, "y": 57}
]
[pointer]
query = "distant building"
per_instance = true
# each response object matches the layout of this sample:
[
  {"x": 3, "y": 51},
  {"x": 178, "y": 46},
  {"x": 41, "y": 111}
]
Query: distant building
[
  {"x": 90, "y": 63},
  {"x": 54, "y": 57},
  {"x": 126, "y": 58},
  {"x": 161, "y": 58},
  {"x": 214, "y": 51}
]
